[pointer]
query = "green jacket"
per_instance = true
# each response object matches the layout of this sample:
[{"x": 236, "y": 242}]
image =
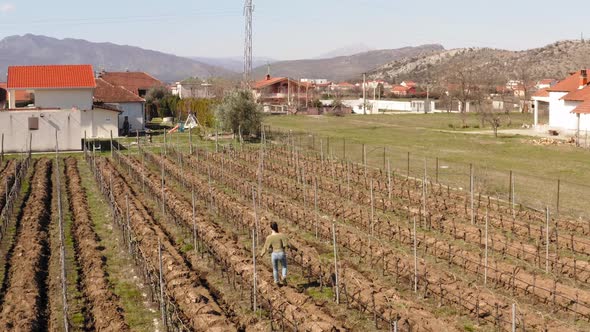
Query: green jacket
[{"x": 278, "y": 242}]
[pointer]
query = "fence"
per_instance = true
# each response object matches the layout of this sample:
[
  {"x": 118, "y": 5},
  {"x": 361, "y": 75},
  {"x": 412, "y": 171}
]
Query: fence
[{"x": 517, "y": 188}]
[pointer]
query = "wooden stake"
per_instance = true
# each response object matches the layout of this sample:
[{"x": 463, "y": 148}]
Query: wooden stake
[
  {"x": 437, "y": 168},
  {"x": 408, "y": 172},
  {"x": 194, "y": 221},
  {"x": 111, "y": 144},
  {"x": 322, "y": 149},
  {"x": 128, "y": 220},
  {"x": 336, "y": 263},
  {"x": 255, "y": 211},
  {"x": 372, "y": 211},
  {"x": 388, "y": 179},
  {"x": 424, "y": 193},
  {"x": 62, "y": 256},
  {"x": 513, "y": 317},
  {"x": 485, "y": 272},
  {"x": 165, "y": 143},
  {"x": 163, "y": 198},
  {"x": 472, "y": 190},
  {"x": 348, "y": 180},
  {"x": 254, "y": 289},
  {"x": 317, "y": 212},
  {"x": 415, "y": 259},
  {"x": 190, "y": 141},
  {"x": 558, "y": 194},
  {"x": 162, "y": 302},
  {"x": 547, "y": 241}
]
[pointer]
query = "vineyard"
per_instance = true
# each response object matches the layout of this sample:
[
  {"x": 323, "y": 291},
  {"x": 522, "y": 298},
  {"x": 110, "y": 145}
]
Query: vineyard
[{"x": 146, "y": 239}]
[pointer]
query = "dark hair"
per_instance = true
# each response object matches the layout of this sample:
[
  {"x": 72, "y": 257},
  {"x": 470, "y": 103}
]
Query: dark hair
[{"x": 274, "y": 226}]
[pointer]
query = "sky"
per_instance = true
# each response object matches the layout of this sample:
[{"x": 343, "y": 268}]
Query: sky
[{"x": 299, "y": 29}]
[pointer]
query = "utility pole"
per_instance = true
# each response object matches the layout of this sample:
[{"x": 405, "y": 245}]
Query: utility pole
[{"x": 248, "y": 9}]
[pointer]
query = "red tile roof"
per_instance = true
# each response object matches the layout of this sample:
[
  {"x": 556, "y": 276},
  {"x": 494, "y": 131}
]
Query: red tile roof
[
  {"x": 400, "y": 88},
  {"x": 132, "y": 81},
  {"x": 578, "y": 95},
  {"x": 345, "y": 85},
  {"x": 583, "y": 108},
  {"x": 541, "y": 93},
  {"x": 21, "y": 95},
  {"x": 569, "y": 84},
  {"x": 268, "y": 82},
  {"x": 51, "y": 77},
  {"x": 106, "y": 92}
]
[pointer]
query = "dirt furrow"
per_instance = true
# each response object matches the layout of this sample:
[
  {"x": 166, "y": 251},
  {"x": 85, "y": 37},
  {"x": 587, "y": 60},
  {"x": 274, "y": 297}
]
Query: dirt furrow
[
  {"x": 478, "y": 300},
  {"x": 181, "y": 284},
  {"x": 526, "y": 282},
  {"x": 363, "y": 290},
  {"x": 299, "y": 309},
  {"x": 518, "y": 221},
  {"x": 25, "y": 302},
  {"x": 104, "y": 307}
]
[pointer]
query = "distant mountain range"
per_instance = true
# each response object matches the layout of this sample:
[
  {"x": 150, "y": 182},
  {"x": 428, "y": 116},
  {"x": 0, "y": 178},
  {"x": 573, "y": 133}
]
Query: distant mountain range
[
  {"x": 35, "y": 50},
  {"x": 343, "y": 67},
  {"x": 552, "y": 61},
  {"x": 234, "y": 64},
  {"x": 346, "y": 51}
]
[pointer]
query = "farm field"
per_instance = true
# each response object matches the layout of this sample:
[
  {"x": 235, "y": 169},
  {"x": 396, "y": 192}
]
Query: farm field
[
  {"x": 413, "y": 142},
  {"x": 158, "y": 238}
]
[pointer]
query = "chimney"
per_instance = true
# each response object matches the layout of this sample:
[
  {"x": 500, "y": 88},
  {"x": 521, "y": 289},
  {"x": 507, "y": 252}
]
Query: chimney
[
  {"x": 268, "y": 77},
  {"x": 583, "y": 78}
]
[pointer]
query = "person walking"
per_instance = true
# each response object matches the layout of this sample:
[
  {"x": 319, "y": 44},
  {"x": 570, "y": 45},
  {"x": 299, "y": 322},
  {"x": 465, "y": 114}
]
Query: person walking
[{"x": 278, "y": 242}]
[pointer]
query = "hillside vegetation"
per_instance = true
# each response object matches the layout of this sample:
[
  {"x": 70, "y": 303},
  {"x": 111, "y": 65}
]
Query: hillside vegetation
[
  {"x": 343, "y": 67},
  {"x": 552, "y": 61}
]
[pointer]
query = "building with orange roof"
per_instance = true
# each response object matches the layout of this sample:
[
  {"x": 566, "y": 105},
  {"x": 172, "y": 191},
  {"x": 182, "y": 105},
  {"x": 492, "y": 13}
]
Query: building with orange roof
[
  {"x": 568, "y": 101},
  {"x": 281, "y": 93},
  {"x": 53, "y": 92},
  {"x": 403, "y": 91},
  {"x": 131, "y": 105},
  {"x": 137, "y": 82},
  {"x": 53, "y": 86}
]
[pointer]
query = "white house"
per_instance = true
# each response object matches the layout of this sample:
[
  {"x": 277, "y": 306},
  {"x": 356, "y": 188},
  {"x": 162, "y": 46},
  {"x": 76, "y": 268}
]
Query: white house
[
  {"x": 545, "y": 83},
  {"x": 569, "y": 103},
  {"x": 63, "y": 88},
  {"x": 194, "y": 89},
  {"x": 36, "y": 129},
  {"x": 132, "y": 106}
]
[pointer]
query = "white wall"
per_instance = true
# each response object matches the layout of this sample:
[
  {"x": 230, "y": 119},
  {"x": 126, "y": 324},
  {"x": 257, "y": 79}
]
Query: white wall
[
  {"x": 135, "y": 113},
  {"x": 386, "y": 105},
  {"x": 99, "y": 123},
  {"x": 15, "y": 127},
  {"x": 561, "y": 116},
  {"x": 64, "y": 98}
]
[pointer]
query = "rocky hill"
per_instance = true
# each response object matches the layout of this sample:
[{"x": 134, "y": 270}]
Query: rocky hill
[
  {"x": 552, "y": 61},
  {"x": 343, "y": 67},
  {"x": 36, "y": 50}
]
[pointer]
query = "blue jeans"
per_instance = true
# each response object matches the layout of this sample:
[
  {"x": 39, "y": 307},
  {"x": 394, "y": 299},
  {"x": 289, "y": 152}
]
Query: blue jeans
[{"x": 277, "y": 257}]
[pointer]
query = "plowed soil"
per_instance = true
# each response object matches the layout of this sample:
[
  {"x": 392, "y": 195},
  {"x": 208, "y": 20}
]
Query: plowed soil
[
  {"x": 25, "y": 302},
  {"x": 105, "y": 311}
]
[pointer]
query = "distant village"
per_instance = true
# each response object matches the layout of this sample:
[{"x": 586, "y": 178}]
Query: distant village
[{"x": 84, "y": 103}]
